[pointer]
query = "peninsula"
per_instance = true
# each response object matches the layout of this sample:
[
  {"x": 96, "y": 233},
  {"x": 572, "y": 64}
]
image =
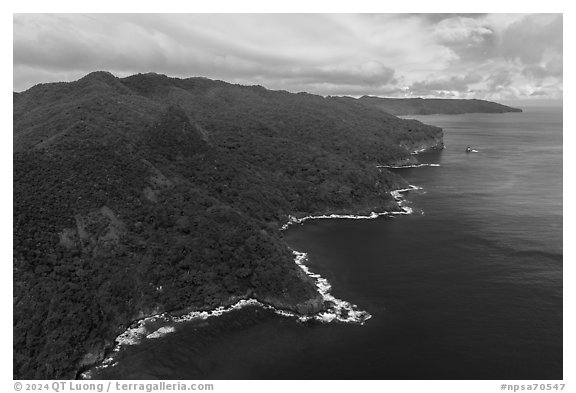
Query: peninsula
[
  {"x": 148, "y": 194},
  {"x": 430, "y": 106}
]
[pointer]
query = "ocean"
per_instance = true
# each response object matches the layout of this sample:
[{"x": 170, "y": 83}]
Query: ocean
[{"x": 469, "y": 286}]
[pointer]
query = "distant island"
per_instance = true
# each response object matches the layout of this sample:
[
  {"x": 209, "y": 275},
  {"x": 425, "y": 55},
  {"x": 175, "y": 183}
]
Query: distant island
[
  {"x": 430, "y": 106},
  {"x": 144, "y": 194}
]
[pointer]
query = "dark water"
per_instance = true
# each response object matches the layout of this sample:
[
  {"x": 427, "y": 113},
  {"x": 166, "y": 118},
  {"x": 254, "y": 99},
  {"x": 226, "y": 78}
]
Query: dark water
[{"x": 469, "y": 289}]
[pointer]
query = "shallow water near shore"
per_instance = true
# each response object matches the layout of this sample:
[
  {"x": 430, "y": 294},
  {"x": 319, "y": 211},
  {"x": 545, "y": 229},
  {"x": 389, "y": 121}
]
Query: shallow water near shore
[{"x": 467, "y": 287}]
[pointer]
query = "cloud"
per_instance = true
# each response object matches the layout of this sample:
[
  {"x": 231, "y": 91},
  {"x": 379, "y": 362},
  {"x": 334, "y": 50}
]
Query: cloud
[
  {"x": 532, "y": 38},
  {"x": 439, "y": 17},
  {"x": 541, "y": 72},
  {"x": 443, "y": 86},
  {"x": 499, "y": 79},
  {"x": 369, "y": 73},
  {"x": 461, "y": 30},
  {"x": 348, "y": 54},
  {"x": 226, "y": 47}
]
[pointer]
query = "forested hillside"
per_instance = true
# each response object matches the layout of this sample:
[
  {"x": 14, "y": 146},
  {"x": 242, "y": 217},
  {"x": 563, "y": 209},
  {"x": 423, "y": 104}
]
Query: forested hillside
[{"x": 147, "y": 193}]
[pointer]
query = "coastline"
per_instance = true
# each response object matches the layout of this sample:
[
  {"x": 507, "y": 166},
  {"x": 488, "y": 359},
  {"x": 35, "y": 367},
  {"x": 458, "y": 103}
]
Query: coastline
[
  {"x": 306, "y": 238},
  {"x": 160, "y": 323},
  {"x": 332, "y": 309},
  {"x": 199, "y": 225},
  {"x": 395, "y": 194}
]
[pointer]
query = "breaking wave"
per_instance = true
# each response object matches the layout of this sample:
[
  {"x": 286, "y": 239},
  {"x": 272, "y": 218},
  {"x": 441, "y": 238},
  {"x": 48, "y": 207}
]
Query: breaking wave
[
  {"x": 396, "y": 194},
  {"x": 144, "y": 329},
  {"x": 405, "y": 166}
]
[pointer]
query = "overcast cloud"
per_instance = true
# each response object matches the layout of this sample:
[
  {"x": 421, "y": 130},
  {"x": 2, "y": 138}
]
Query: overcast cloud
[{"x": 486, "y": 56}]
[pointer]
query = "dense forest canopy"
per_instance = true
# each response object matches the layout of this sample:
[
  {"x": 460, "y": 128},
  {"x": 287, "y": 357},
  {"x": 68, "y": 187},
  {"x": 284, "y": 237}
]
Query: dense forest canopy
[{"x": 148, "y": 193}]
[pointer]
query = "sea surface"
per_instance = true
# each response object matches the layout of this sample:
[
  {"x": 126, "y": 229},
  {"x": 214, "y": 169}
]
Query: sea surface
[{"x": 467, "y": 287}]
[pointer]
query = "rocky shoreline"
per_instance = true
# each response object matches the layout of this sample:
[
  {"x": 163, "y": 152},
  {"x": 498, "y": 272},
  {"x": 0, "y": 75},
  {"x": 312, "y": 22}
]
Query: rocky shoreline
[
  {"x": 323, "y": 308},
  {"x": 313, "y": 308}
]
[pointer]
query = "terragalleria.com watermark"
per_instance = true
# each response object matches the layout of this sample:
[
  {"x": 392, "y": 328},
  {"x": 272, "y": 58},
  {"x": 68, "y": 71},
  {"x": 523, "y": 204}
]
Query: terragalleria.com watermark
[{"x": 74, "y": 386}]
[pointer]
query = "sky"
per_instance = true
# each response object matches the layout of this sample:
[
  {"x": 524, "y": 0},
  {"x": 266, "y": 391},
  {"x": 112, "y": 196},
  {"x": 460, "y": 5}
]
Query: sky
[{"x": 501, "y": 57}]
